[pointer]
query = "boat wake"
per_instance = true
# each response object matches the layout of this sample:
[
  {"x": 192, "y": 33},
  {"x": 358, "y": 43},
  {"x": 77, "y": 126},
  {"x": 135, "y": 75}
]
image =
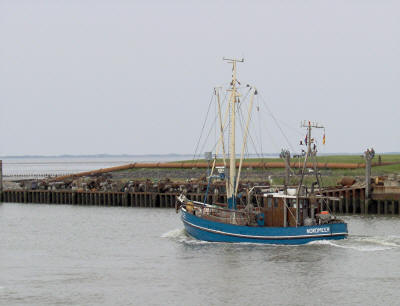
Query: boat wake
[
  {"x": 180, "y": 235},
  {"x": 175, "y": 233},
  {"x": 358, "y": 243},
  {"x": 363, "y": 243}
]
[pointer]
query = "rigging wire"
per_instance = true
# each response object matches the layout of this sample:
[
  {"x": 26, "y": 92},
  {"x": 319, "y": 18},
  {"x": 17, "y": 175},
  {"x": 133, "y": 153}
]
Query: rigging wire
[
  {"x": 274, "y": 144},
  {"x": 240, "y": 113},
  {"x": 247, "y": 154},
  {"x": 251, "y": 138},
  {"x": 259, "y": 126},
  {"x": 292, "y": 128},
  {"x": 267, "y": 111},
  {"x": 214, "y": 124},
  {"x": 204, "y": 123},
  {"x": 276, "y": 122}
]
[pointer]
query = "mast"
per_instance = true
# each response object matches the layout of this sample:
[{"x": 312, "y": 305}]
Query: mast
[
  {"x": 310, "y": 153},
  {"x": 221, "y": 126},
  {"x": 232, "y": 154}
]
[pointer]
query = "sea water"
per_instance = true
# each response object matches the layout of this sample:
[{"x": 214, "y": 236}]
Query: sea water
[{"x": 80, "y": 255}]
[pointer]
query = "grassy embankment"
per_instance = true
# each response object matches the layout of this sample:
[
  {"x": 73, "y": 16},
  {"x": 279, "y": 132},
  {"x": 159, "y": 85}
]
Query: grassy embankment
[{"x": 329, "y": 176}]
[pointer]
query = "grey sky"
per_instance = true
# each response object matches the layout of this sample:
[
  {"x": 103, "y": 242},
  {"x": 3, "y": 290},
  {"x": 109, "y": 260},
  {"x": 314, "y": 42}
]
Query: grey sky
[{"x": 82, "y": 77}]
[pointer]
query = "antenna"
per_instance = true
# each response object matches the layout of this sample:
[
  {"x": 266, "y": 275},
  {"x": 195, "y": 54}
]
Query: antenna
[
  {"x": 231, "y": 60},
  {"x": 311, "y": 124},
  {"x": 311, "y": 153}
]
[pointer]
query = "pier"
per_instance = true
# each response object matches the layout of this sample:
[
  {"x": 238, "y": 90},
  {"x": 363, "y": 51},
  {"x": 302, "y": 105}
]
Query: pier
[
  {"x": 352, "y": 200},
  {"x": 124, "y": 199}
]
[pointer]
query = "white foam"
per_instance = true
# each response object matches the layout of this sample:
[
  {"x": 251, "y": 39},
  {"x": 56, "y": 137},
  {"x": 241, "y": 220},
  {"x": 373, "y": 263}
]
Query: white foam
[
  {"x": 321, "y": 242},
  {"x": 384, "y": 241},
  {"x": 180, "y": 235},
  {"x": 175, "y": 233},
  {"x": 362, "y": 244},
  {"x": 358, "y": 243}
]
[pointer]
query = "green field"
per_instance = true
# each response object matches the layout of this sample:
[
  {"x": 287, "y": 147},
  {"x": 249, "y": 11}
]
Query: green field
[
  {"x": 322, "y": 159},
  {"x": 331, "y": 176}
]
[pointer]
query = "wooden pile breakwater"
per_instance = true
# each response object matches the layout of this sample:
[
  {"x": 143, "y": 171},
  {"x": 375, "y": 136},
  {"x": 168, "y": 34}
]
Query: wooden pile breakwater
[
  {"x": 96, "y": 198},
  {"x": 137, "y": 199},
  {"x": 352, "y": 199}
]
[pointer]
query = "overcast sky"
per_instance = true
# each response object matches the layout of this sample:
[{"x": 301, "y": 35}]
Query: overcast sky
[{"x": 135, "y": 77}]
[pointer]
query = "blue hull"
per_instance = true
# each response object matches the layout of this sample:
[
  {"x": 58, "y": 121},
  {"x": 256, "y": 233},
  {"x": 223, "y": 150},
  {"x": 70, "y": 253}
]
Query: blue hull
[{"x": 207, "y": 230}]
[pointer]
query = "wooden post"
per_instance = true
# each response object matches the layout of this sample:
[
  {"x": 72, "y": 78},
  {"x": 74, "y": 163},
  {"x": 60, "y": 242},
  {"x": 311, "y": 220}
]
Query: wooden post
[
  {"x": 335, "y": 202},
  {"x": 342, "y": 199},
  {"x": 1, "y": 181},
  {"x": 125, "y": 199},
  {"x": 363, "y": 203},
  {"x": 398, "y": 206},
  {"x": 173, "y": 199},
  {"x": 347, "y": 201}
]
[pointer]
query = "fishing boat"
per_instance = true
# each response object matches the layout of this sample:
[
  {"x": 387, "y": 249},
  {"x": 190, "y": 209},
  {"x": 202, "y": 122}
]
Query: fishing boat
[{"x": 269, "y": 215}]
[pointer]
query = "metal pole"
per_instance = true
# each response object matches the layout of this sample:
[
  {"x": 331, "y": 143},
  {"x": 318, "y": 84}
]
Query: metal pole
[
  {"x": 232, "y": 164},
  {"x": 285, "y": 155},
  {"x": 368, "y": 156},
  {"x": 232, "y": 156},
  {"x": 284, "y": 212}
]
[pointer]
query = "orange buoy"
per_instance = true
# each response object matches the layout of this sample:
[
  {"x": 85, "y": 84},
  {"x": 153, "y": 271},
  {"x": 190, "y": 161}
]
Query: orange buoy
[{"x": 324, "y": 212}]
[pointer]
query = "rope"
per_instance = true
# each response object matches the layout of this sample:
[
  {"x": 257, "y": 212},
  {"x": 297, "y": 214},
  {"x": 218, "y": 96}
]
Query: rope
[
  {"x": 211, "y": 129},
  {"x": 277, "y": 123},
  {"x": 202, "y": 129},
  {"x": 244, "y": 141},
  {"x": 251, "y": 138}
]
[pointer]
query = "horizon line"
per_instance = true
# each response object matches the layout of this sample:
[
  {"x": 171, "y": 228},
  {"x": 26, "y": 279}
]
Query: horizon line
[{"x": 102, "y": 155}]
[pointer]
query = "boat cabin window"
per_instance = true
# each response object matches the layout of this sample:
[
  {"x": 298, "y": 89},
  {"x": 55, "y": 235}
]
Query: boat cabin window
[{"x": 269, "y": 202}]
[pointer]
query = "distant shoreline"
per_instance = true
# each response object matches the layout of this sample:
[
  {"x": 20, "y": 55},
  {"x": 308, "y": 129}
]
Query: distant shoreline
[{"x": 165, "y": 155}]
